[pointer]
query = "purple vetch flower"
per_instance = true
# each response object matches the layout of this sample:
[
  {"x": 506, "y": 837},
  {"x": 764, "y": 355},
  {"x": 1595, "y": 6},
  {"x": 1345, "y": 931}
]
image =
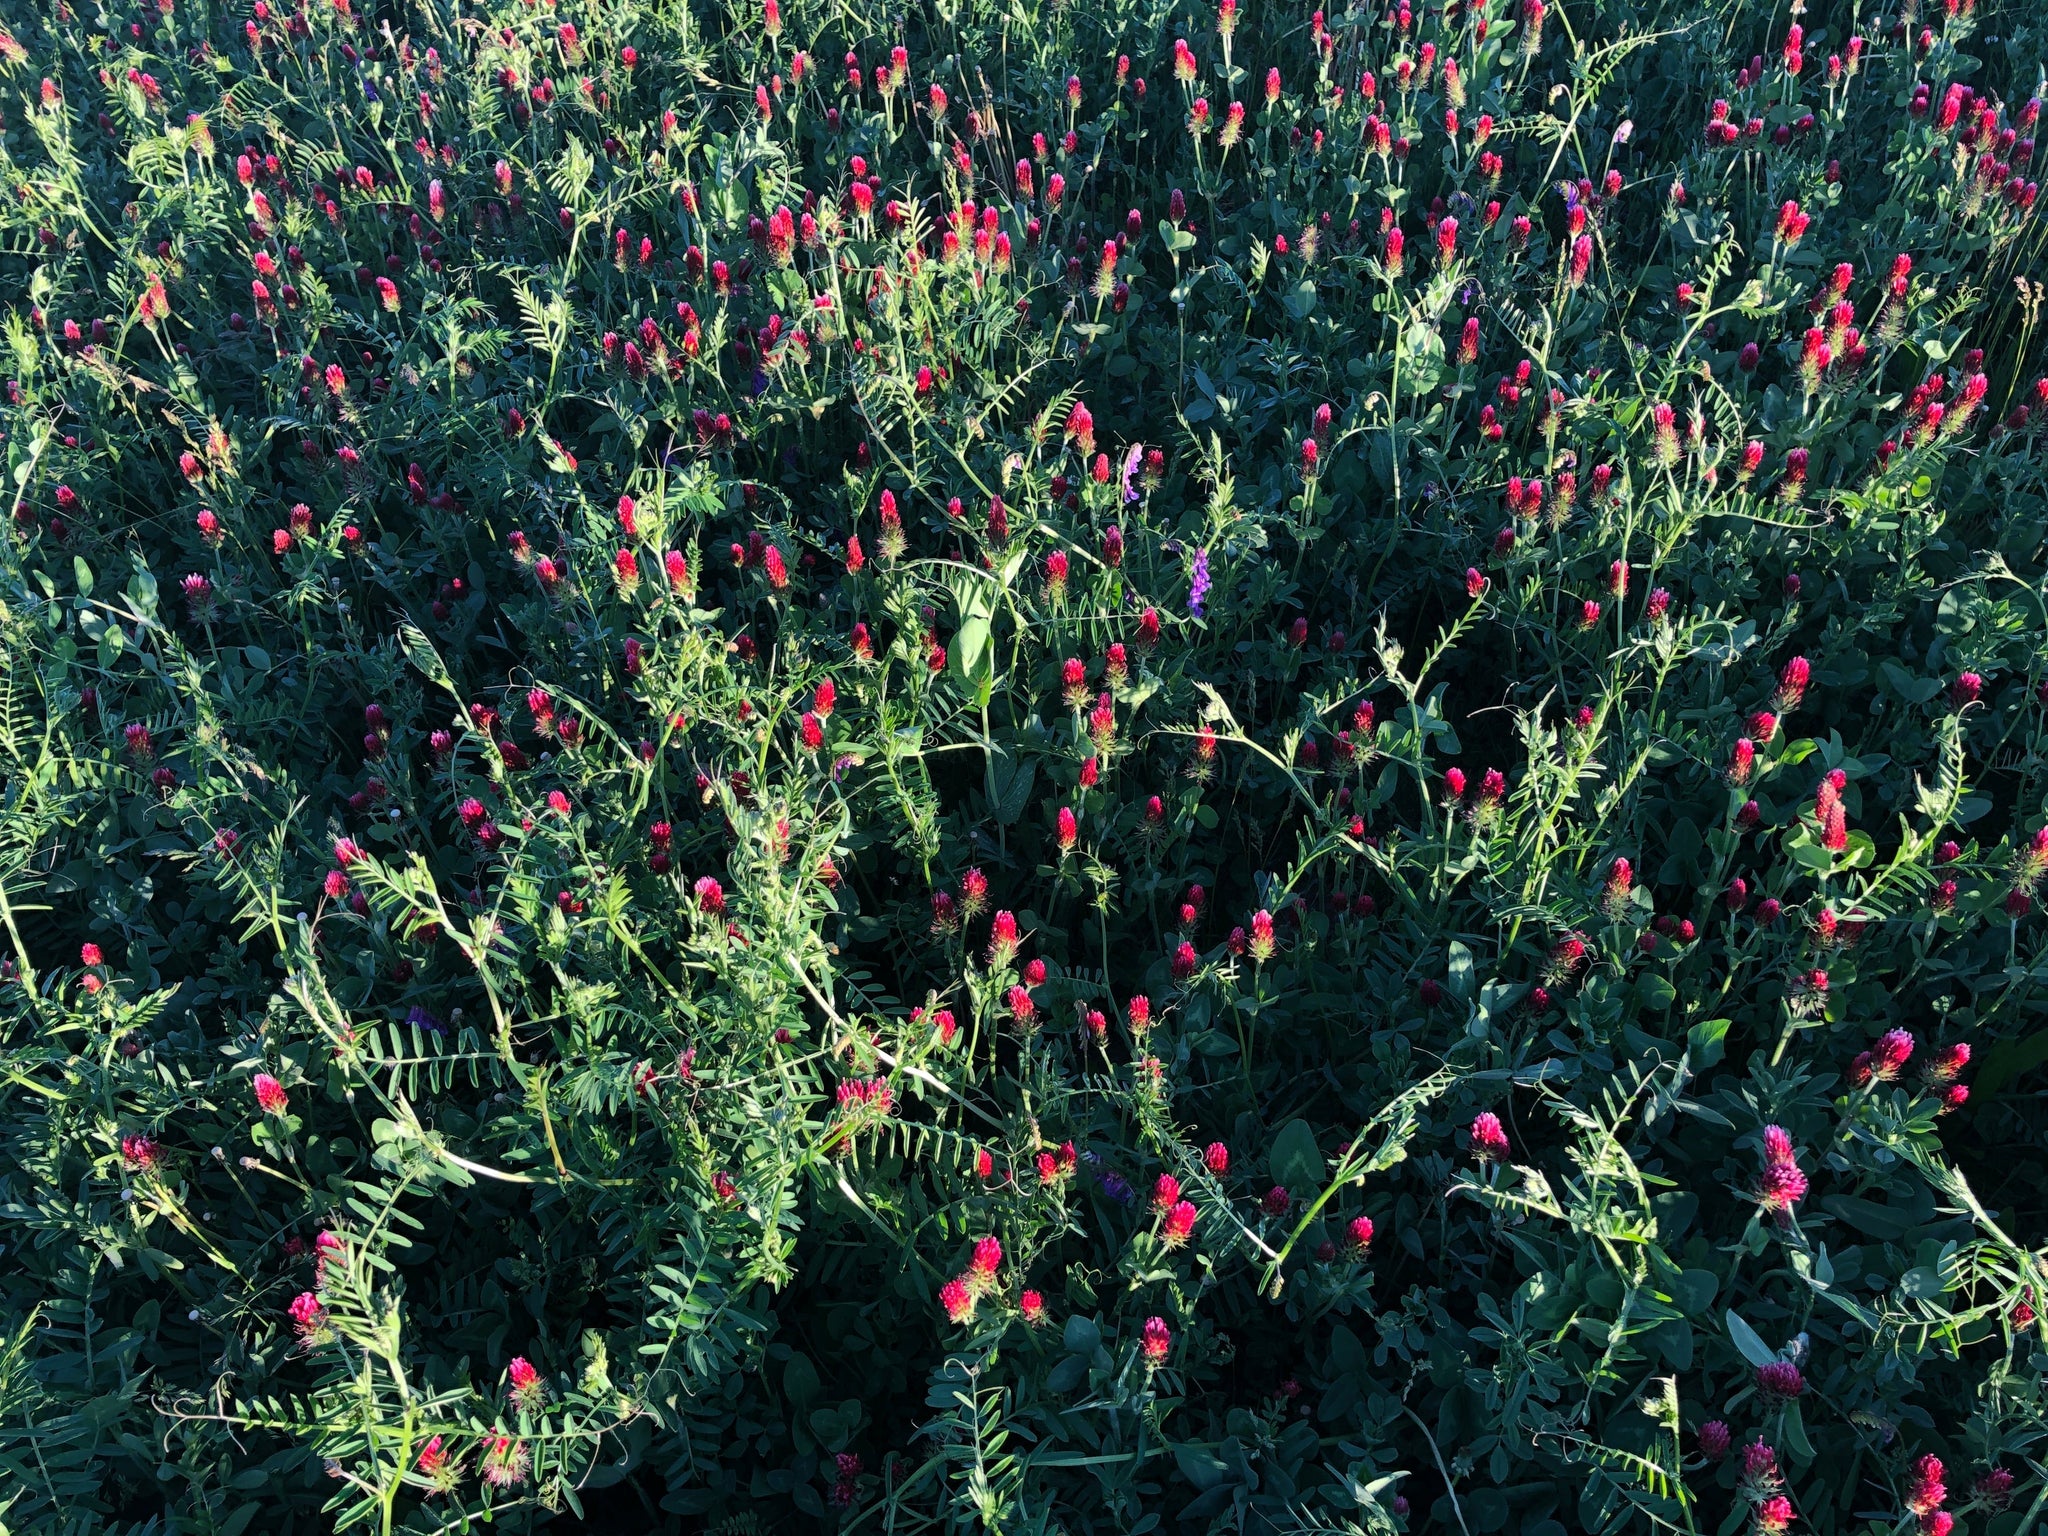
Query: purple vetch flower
[
  {"x": 1133, "y": 461},
  {"x": 1198, "y": 584},
  {"x": 1112, "y": 1183}
]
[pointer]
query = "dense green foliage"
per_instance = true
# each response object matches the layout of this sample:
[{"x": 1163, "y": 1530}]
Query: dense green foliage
[{"x": 1085, "y": 768}]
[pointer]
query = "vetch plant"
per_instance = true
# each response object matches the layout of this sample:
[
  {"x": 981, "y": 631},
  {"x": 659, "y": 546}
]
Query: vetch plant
[{"x": 1271, "y": 770}]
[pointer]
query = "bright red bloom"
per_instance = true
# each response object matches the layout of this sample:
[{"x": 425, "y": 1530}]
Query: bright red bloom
[
  {"x": 957, "y": 1299},
  {"x": 1262, "y": 940},
  {"x": 1927, "y": 1492},
  {"x": 528, "y": 1390},
  {"x": 309, "y": 1317},
  {"x": 1489, "y": 1143},
  {"x": 1792, "y": 681},
  {"x": 1156, "y": 1340},
  {"x": 1081, "y": 428},
  {"x": 1002, "y": 939},
  {"x": 1179, "y": 1224},
  {"x": 1780, "y": 1186},
  {"x": 1774, "y": 1516}
]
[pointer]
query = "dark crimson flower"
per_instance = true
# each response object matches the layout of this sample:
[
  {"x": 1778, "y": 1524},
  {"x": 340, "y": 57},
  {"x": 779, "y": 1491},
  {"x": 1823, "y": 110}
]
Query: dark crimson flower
[
  {"x": 1994, "y": 1488},
  {"x": 1780, "y": 1379},
  {"x": 1759, "y": 1465}
]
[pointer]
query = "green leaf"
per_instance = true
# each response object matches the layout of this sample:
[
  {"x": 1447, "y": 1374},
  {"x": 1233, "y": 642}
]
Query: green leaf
[
  {"x": 1795, "y": 1440},
  {"x": 1922, "y": 1283},
  {"x": 1067, "y": 1374},
  {"x": 1459, "y": 978},
  {"x": 1202, "y": 1468},
  {"x": 1693, "y": 1291},
  {"x": 800, "y": 1380},
  {"x": 1914, "y": 690},
  {"x": 1705, "y": 1041},
  {"x": 1297, "y": 1162},
  {"x": 2007, "y": 1060},
  {"x": 1748, "y": 1342},
  {"x": 419, "y": 650},
  {"x": 1013, "y": 783},
  {"x": 1673, "y": 1340}
]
